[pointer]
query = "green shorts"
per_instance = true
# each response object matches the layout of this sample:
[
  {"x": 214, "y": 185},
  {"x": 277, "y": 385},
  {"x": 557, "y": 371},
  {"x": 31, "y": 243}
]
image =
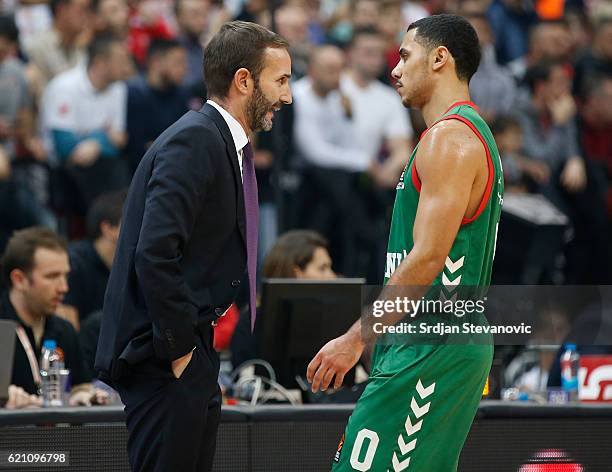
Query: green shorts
[{"x": 417, "y": 408}]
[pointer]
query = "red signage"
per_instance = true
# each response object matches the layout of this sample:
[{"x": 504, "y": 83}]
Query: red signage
[{"x": 595, "y": 378}]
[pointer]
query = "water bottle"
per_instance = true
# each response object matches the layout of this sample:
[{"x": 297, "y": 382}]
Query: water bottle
[
  {"x": 50, "y": 366},
  {"x": 570, "y": 363}
]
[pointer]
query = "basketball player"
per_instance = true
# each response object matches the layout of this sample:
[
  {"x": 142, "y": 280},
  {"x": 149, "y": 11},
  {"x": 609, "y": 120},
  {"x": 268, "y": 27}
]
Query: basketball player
[{"x": 421, "y": 399}]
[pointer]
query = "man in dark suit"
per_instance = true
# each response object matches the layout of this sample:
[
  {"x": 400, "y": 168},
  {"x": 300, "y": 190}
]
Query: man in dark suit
[{"x": 189, "y": 230}]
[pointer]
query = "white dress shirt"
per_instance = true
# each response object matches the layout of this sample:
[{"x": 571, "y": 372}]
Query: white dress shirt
[{"x": 238, "y": 134}]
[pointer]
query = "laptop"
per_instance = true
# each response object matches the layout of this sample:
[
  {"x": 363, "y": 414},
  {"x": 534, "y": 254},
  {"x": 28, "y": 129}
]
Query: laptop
[{"x": 7, "y": 352}]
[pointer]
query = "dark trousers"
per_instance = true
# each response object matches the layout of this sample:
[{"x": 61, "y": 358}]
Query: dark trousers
[{"x": 172, "y": 423}]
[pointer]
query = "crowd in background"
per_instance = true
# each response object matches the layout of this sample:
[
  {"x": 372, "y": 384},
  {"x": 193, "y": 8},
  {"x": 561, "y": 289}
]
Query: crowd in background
[{"x": 87, "y": 85}]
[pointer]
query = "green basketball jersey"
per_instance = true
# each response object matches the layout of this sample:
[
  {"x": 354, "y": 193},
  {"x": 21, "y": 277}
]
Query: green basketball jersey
[
  {"x": 423, "y": 392},
  {"x": 471, "y": 257}
]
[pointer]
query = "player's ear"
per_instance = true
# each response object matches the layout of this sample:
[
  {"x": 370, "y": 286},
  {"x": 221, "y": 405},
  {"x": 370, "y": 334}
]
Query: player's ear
[{"x": 440, "y": 57}]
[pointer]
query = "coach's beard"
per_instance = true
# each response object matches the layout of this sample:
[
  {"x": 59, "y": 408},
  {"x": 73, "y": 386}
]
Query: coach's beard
[{"x": 258, "y": 109}]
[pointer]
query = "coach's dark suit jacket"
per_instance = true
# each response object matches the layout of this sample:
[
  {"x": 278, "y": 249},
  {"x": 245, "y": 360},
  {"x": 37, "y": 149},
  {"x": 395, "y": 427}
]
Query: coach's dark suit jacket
[{"x": 181, "y": 254}]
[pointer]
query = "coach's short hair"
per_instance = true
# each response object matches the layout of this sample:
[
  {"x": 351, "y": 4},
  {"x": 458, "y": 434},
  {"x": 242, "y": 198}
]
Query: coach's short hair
[
  {"x": 237, "y": 45},
  {"x": 457, "y": 35}
]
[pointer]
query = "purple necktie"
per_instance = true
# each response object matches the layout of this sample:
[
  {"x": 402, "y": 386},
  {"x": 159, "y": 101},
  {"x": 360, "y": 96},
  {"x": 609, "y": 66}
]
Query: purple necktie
[{"x": 251, "y": 210}]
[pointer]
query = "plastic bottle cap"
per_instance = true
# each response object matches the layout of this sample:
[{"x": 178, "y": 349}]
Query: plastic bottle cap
[
  {"x": 50, "y": 344},
  {"x": 570, "y": 346}
]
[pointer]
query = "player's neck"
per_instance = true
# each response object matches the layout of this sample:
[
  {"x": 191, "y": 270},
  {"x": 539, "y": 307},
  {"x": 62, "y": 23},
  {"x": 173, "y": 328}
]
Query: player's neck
[{"x": 442, "y": 98}]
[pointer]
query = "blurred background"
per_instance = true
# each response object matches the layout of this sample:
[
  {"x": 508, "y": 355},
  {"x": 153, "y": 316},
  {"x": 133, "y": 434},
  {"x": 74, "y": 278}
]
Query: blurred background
[{"x": 87, "y": 85}]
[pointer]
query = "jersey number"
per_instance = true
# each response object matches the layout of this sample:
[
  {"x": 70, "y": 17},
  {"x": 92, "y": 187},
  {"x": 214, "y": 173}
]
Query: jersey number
[{"x": 365, "y": 464}]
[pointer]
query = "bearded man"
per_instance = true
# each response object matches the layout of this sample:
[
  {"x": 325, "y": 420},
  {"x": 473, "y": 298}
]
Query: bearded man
[{"x": 188, "y": 232}]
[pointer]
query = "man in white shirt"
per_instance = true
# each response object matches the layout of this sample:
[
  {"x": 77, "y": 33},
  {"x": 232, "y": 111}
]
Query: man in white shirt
[
  {"x": 382, "y": 122},
  {"x": 339, "y": 137},
  {"x": 324, "y": 129},
  {"x": 56, "y": 50},
  {"x": 83, "y": 120}
]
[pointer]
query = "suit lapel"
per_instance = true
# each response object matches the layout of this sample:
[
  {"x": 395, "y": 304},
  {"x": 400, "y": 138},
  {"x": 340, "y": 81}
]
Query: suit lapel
[{"x": 213, "y": 114}]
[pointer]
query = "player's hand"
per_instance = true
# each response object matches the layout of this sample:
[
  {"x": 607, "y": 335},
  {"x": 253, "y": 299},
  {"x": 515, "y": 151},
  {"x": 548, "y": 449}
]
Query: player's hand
[
  {"x": 334, "y": 360},
  {"x": 179, "y": 365},
  {"x": 574, "y": 176}
]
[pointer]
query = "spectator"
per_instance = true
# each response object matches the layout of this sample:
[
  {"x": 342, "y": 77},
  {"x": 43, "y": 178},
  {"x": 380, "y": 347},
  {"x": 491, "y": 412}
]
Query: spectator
[
  {"x": 31, "y": 18},
  {"x": 597, "y": 61},
  {"x": 384, "y": 138},
  {"x": 192, "y": 19},
  {"x": 16, "y": 117},
  {"x": 380, "y": 119},
  {"x": 326, "y": 139},
  {"x": 83, "y": 118},
  {"x": 157, "y": 99},
  {"x": 35, "y": 266},
  {"x": 548, "y": 122},
  {"x": 414, "y": 10},
  {"x": 596, "y": 121},
  {"x": 595, "y": 128},
  {"x": 549, "y": 40},
  {"x": 492, "y": 88},
  {"x": 360, "y": 14},
  {"x": 91, "y": 259},
  {"x": 297, "y": 254},
  {"x": 17, "y": 131},
  {"x": 510, "y": 21},
  {"x": 16, "y": 203},
  {"x": 325, "y": 131},
  {"x": 579, "y": 25},
  {"x": 317, "y": 31},
  {"x": 59, "y": 49},
  {"x": 292, "y": 24},
  {"x": 111, "y": 17},
  {"x": 520, "y": 172},
  {"x": 391, "y": 25},
  {"x": 255, "y": 11},
  {"x": 147, "y": 23}
]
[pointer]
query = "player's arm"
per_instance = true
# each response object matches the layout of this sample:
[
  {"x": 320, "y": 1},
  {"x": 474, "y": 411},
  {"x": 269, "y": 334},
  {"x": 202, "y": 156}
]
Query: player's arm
[{"x": 447, "y": 163}]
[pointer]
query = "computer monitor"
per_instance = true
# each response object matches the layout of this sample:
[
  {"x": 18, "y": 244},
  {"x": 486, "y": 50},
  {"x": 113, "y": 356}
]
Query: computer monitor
[
  {"x": 299, "y": 317},
  {"x": 7, "y": 352}
]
